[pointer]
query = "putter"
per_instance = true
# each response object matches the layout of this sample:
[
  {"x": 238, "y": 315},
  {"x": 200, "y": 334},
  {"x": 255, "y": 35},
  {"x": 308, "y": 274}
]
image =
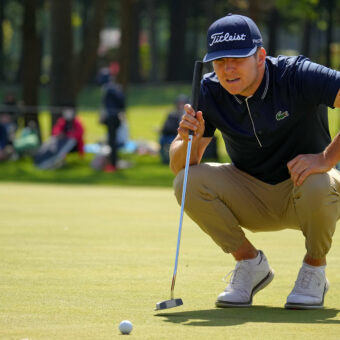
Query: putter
[{"x": 196, "y": 82}]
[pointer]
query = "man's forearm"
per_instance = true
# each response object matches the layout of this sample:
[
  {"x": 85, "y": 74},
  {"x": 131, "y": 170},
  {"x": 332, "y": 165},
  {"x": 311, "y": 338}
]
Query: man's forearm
[
  {"x": 178, "y": 151},
  {"x": 332, "y": 152}
]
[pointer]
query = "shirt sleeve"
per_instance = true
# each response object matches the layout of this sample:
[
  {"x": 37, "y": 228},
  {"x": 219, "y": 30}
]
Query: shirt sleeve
[
  {"x": 203, "y": 105},
  {"x": 316, "y": 82}
]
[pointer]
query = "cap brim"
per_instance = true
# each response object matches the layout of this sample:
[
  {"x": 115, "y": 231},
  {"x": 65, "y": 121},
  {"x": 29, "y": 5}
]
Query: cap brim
[{"x": 242, "y": 53}]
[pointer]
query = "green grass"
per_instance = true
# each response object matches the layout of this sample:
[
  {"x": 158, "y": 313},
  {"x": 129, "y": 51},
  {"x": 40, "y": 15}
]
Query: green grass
[
  {"x": 145, "y": 171},
  {"x": 76, "y": 260}
]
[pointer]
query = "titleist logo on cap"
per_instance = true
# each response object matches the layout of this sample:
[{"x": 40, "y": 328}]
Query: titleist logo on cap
[
  {"x": 233, "y": 36},
  {"x": 221, "y": 37}
]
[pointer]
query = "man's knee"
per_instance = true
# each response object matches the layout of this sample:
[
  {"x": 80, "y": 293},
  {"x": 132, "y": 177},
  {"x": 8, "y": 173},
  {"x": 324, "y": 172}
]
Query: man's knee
[
  {"x": 316, "y": 192},
  {"x": 178, "y": 185},
  {"x": 317, "y": 205},
  {"x": 194, "y": 179}
]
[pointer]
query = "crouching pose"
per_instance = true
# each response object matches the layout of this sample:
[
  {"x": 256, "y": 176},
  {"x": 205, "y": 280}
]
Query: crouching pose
[{"x": 272, "y": 113}]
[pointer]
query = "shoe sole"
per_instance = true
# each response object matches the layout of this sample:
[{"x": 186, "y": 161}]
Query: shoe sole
[
  {"x": 307, "y": 306},
  {"x": 262, "y": 284}
]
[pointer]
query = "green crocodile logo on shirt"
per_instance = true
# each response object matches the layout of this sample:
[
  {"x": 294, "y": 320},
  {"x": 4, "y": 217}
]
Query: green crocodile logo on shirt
[{"x": 282, "y": 115}]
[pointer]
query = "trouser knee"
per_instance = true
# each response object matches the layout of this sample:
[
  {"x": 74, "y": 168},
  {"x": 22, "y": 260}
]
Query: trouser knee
[
  {"x": 317, "y": 206},
  {"x": 316, "y": 193},
  {"x": 178, "y": 185},
  {"x": 204, "y": 206},
  {"x": 191, "y": 183}
]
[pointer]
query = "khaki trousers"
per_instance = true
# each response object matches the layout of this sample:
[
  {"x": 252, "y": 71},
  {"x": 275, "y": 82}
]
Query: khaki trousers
[{"x": 223, "y": 200}]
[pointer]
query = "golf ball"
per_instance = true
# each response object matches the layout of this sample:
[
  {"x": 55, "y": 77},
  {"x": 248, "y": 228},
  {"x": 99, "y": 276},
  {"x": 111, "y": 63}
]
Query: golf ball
[{"x": 125, "y": 327}]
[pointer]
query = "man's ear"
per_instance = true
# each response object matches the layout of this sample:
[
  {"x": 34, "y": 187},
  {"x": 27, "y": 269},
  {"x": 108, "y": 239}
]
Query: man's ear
[{"x": 261, "y": 56}]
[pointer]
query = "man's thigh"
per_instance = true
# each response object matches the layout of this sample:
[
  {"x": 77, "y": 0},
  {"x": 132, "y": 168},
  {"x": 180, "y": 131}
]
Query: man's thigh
[{"x": 257, "y": 206}]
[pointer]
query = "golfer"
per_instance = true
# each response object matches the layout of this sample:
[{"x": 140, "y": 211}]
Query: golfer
[{"x": 272, "y": 113}]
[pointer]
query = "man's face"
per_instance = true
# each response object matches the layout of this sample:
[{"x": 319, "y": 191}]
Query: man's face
[{"x": 240, "y": 75}]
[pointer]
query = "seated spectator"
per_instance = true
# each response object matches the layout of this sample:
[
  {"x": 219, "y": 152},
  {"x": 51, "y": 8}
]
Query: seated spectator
[
  {"x": 169, "y": 129},
  {"x": 70, "y": 126},
  {"x": 67, "y": 136},
  {"x": 4, "y": 143},
  {"x": 169, "y": 132},
  {"x": 9, "y": 116},
  {"x": 27, "y": 141}
]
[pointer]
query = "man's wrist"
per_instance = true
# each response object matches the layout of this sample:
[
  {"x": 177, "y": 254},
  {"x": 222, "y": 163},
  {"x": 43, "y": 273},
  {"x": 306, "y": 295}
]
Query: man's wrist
[{"x": 329, "y": 159}]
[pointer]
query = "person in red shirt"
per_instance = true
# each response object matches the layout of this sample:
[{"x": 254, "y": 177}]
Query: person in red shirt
[{"x": 70, "y": 126}]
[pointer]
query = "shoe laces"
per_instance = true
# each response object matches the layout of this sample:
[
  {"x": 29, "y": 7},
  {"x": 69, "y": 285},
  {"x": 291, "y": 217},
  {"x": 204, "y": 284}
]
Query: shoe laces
[
  {"x": 308, "y": 279},
  {"x": 240, "y": 277}
]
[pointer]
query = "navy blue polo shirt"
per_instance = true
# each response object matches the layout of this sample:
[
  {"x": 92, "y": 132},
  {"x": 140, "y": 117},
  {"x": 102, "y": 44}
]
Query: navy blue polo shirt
[{"x": 285, "y": 117}]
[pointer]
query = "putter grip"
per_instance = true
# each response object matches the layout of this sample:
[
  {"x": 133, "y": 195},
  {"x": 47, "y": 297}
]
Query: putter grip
[{"x": 196, "y": 85}]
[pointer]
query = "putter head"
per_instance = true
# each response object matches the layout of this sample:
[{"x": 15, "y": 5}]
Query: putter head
[{"x": 168, "y": 304}]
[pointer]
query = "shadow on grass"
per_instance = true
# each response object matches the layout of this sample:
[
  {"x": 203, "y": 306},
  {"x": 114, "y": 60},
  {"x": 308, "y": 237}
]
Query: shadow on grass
[{"x": 238, "y": 316}]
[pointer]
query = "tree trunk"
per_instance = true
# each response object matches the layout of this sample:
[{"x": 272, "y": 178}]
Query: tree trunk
[
  {"x": 255, "y": 10},
  {"x": 87, "y": 57},
  {"x": 273, "y": 29},
  {"x": 85, "y": 17},
  {"x": 153, "y": 40},
  {"x": 193, "y": 44},
  {"x": 62, "y": 68},
  {"x": 209, "y": 9},
  {"x": 135, "y": 64},
  {"x": 2, "y": 14},
  {"x": 31, "y": 64},
  {"x": 329, "y": 34},
  {"x": 127, "y": 25},
  {"x": 177, "y": 51},
  {"x": 306, "y": 38}
]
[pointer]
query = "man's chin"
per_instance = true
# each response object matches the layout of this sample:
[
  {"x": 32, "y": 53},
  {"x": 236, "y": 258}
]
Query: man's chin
[{"x": 233, "y": 92}]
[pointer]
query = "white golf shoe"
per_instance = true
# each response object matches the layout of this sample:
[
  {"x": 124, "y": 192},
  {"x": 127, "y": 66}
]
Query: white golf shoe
[
  {"x": 248, "y": 277},
  {"x": 309, "y": 290}
]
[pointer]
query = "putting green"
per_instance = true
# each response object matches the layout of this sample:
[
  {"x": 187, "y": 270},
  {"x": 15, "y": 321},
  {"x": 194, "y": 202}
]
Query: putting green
[{"x": 77, "y": 260}]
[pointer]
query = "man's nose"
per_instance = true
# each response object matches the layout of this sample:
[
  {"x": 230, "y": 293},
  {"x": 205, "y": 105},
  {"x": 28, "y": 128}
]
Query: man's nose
[{"x": 229, "y": 64}]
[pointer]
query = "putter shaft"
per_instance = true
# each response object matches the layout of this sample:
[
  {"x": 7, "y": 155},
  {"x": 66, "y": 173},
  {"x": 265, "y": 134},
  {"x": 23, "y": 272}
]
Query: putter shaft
[
  {"x": 195, "y": 96},
  {"x": 187, "y": 162}
]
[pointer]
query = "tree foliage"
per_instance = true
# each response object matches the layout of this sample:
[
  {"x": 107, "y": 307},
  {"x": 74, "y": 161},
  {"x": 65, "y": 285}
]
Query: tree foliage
[{"x": 56, "y": 45}]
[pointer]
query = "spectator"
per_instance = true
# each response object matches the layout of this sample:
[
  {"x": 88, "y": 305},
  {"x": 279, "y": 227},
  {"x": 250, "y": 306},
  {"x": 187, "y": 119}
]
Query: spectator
[
  {"x": 70, "y": 126},
  {"x": 9, "y": 116},
  {"x": 169, "y": 132},
  {"x": 169, "y": 129},
  {"x": 4, "y": 143},
  {"x": 114, "y": 107}
]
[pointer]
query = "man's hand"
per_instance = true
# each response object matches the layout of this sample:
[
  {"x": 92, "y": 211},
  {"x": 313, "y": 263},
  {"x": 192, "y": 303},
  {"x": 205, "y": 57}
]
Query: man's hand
[
  {"x": 191, "y": 121},
  {"x": 302, "y": 166}
]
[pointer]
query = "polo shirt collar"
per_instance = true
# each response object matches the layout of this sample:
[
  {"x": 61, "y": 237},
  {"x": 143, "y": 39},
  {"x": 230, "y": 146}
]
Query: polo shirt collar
[{"x": 261, "y": 92}]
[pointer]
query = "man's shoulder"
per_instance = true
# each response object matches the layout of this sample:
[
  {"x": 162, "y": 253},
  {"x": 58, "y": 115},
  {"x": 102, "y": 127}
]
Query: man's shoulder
[
  {"x": 210, "y": 85},
  {"x": 282, "y": 63},
  {"x": 210, "y": 79}
]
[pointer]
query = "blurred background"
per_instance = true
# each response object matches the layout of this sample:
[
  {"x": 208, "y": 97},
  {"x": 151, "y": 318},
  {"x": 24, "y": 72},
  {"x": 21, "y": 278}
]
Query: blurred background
[{"x": 52, "y": 50}]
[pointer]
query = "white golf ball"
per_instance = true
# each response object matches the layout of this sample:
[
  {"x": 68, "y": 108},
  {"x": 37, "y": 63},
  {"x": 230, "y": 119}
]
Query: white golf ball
[{"x": 125, "y": 327}]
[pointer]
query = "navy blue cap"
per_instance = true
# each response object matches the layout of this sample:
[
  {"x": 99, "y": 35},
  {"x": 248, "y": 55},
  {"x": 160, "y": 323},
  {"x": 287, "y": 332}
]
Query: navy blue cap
[{"x": 233, "y": 36}]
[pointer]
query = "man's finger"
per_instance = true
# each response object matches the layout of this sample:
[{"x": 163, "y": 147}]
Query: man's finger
[
  {"x": 199, "y": 116},
  {"x": 190, "y": 124},
  {"x": 303, "y": 175},
  {"x": 189, "y": 109},
  {"x": 292, "y": 163}
]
